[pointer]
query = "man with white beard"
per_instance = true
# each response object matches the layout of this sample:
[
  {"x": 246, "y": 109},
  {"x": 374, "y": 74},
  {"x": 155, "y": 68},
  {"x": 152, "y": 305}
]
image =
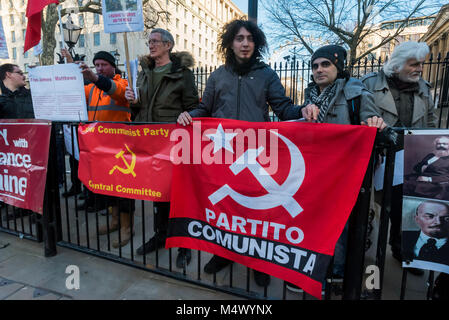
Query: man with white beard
[
  {"x": 403, "y": 99},
  {"x": 431, "y": 174}
]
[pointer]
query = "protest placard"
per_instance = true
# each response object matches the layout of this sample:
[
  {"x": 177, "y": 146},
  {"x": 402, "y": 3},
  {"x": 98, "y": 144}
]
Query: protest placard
[
  {"x": 122, "y": 16},
  {"x": 58, "y": 92}
]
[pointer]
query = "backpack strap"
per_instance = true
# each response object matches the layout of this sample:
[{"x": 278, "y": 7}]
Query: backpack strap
[{"x": 354, "y": 110}]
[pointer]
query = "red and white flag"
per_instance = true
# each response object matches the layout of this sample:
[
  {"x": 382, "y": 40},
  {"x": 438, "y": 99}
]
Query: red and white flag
[
  {"x": 272, "y": 196},
  {"x": 33, "y": 13}
]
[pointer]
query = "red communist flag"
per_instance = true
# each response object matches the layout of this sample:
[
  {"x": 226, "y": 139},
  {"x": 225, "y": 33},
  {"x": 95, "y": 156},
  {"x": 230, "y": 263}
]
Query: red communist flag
[
  {"x": 33, "y": 13},
  {"x": 272, "y": 196}
]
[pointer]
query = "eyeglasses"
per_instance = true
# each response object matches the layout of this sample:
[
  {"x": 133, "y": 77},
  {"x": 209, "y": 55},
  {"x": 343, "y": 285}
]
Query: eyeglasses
[
  {"x": 19, "y": 72},
  {"x": 324, "y": 64},
  {"x": 155, "y": 42}
]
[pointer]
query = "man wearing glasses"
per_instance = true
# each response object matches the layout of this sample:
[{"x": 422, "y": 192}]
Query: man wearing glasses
[
  {"x": 15, "y": 100},
  {"x": 166, "y": 88}
]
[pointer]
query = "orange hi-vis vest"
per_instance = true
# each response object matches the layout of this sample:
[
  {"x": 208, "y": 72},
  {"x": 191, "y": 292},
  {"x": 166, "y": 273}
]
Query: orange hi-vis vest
[{"x": 108, "y": 106}]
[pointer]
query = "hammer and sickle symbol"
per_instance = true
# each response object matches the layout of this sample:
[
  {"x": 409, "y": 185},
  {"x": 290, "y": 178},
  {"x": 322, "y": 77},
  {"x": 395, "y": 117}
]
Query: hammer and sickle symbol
[
  {"x": 129, "y": 168},
  {"x": 278, "y": 194}
]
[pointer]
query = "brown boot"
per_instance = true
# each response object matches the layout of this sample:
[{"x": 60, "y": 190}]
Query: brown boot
[
  {"x": 126, "y": 224},
  {"x": 113, "y": 222}
]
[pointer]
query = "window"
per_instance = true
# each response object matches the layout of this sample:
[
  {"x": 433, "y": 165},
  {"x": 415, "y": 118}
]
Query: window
[
  {"x": 81, "y": 41},
  {"x": 11, "y": 19},
  {"x": 24, "y": 31},
  {"x": 96, "y": 38},
  {"x": 23, "y": 18},
  {"x": 25, "y": 54},
  {"x": 81, "y": 20},
  {"x": 96, "y": 18},
  {"x": 80, "y": 2},
  {"x": 14, "y": 53},
  {"x": 113, "y": 38},
  {"x": 13, "y": 36},
  {"x": 185, "y": 44}
]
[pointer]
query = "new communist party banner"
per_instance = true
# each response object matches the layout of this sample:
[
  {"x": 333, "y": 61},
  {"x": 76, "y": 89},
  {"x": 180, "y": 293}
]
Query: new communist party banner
[
  {"x": 272, "y": 196},
  {"x": 130, "y": 161},
  {"x": 23, "y": 162}
]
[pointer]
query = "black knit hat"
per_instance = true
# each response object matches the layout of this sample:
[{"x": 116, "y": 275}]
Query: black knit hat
[
  {"x": 336, "y": 54},
  {"x": 105, "y": 56}
]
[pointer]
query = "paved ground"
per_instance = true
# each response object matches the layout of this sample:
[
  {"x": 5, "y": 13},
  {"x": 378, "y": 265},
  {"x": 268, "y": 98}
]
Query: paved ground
[{"x": 25, "y": 274}]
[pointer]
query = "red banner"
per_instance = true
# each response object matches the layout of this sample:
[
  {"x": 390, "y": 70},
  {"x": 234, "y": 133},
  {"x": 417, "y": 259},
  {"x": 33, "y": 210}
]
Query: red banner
[
  {"x": 126, "y": 161},
  {"x": 34, "y": 15},
  {"x": 23, "y": 160},
  {"x": 272, "y": 196}
]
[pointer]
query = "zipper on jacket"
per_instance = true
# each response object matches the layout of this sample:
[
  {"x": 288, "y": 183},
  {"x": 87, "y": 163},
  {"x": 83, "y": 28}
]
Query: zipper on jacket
[{"x": 238, "y": 97}]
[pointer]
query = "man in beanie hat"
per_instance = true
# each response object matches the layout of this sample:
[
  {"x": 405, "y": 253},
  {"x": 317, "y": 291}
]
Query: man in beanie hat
[
  {"x": 332, "y": 90},
  {"x": 334, "y": 97},
  {"x": 105, "y": 95}
]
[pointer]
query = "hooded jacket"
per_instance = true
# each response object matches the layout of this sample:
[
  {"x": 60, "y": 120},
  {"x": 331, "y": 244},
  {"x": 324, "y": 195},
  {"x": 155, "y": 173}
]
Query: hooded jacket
[
  {"x": 245, "y": 97},
  {"x": 175, "y": 93}
]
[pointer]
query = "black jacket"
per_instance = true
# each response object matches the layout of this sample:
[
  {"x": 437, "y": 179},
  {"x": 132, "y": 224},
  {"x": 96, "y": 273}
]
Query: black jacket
[
  {"x": 17, "y": 104},
  {"x": 409, "y": 239},
  {"x": 245, "y": 97}
]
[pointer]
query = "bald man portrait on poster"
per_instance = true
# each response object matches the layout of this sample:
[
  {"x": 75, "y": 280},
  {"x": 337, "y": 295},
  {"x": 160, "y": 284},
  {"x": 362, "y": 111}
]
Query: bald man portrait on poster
[{"x": 430, "y": 242}]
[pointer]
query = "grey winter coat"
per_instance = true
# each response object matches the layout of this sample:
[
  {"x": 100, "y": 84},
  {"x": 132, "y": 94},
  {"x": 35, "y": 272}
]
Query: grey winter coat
[
  {"x": 423, "y": 110},
  {"x": 338, "y": 111},
  {"x": 175, "y": 93},
  {"x": 229, "y": 95}
]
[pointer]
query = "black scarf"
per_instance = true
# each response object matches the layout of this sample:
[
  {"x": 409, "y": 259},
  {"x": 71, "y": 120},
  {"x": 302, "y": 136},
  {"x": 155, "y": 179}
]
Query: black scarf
[{"x": 322, "y": 100}]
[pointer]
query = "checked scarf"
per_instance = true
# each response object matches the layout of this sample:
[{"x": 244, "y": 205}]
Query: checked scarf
[{"x": 322, "y": 100}]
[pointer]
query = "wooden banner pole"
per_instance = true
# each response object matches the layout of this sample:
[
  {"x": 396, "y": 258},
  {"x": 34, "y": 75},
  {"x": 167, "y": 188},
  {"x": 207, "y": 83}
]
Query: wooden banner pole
[{"x": 128, "y": 68}]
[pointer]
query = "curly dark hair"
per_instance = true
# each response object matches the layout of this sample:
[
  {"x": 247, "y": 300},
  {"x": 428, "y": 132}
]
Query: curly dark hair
[{"x": 228, "y": 34}]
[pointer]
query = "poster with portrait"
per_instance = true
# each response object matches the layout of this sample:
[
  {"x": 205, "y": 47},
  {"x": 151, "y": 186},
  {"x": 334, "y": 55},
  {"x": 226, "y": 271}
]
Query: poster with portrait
[
  {"x": 425, "y": 214},
  {"x": 425, "y": 233},
  {"x": 426, "y": 164},
  {"x": 122, "y": 16}
]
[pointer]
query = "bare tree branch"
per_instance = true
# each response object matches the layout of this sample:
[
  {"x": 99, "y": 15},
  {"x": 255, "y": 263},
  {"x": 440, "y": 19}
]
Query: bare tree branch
[{"x": 312, "y": 23}]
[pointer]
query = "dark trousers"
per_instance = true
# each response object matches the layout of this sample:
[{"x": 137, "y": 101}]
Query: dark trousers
[
  {"x": 161, "y": 214},
  {"x": 396, "y": 219},
  {"x": 76, "y": 183}
]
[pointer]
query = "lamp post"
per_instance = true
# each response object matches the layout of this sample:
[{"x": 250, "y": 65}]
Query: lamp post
[
  {"x": 71, "y": 36},
  {"x": 116, "y": 57}
]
